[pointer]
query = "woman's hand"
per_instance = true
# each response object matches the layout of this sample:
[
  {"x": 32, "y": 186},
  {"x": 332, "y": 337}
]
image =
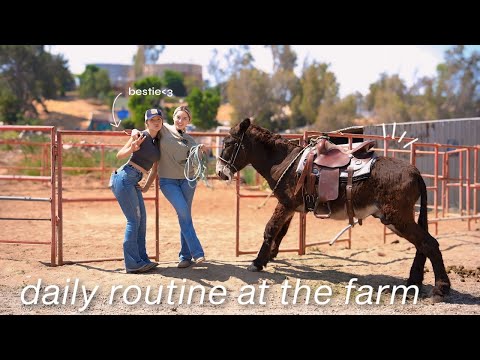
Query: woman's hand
[
  {"x": 135, "y": 134},
  {"x": 135, "y": 145},
  {"x": 203, "y": 150}
]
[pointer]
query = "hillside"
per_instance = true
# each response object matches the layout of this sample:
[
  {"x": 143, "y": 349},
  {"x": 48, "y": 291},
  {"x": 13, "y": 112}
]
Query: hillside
[{"x": 70, "y": 113}]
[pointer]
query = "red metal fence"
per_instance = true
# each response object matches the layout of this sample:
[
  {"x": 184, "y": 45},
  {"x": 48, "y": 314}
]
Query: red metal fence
[
  {"x": 102, "y": 168},
  {"x": 466, "y": 181},
  {"x": 50, "y": 148}
]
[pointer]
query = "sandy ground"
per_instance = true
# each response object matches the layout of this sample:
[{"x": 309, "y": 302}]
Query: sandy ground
[{"x": 93, "y": 230}]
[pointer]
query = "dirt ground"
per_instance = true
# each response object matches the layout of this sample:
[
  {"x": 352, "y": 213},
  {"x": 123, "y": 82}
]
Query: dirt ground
[{"x": 93, "y": 230}]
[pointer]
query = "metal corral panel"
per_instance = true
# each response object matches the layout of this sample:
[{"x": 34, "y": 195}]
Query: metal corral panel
[{"x": 454, "y": 131}]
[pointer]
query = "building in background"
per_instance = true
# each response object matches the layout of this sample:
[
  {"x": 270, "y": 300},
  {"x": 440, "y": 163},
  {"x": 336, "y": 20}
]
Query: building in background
[
  {"x": 191, "y": 72},
  {"x": 122, "y": 76}
]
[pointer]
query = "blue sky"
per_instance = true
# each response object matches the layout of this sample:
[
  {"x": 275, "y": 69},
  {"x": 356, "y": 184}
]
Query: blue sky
[{"x": 356, "y": 66}]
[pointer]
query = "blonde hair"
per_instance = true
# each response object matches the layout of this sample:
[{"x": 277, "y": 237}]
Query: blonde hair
[{"x": 185, "y": 109}]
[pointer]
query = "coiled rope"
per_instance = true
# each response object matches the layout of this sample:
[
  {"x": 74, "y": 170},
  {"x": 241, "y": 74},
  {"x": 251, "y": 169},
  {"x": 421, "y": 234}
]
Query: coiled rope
[{"x": 198, "y": 162}]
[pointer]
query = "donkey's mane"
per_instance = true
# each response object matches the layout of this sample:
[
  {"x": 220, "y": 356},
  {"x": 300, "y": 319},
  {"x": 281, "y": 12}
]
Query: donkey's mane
[{"x": 272, "y": 140}]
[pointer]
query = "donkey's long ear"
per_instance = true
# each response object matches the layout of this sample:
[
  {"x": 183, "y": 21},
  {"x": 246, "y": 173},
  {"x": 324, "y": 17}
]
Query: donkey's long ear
[{"x": 244, "y": 125}]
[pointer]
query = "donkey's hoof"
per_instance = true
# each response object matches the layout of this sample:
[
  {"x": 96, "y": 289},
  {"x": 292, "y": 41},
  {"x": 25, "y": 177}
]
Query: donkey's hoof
[
  {"x": 437, "y": 299},
  {"x": 253, "y": 268},
  {"x": 414, "y": 282},
  {"x": 440, "y": 291}
]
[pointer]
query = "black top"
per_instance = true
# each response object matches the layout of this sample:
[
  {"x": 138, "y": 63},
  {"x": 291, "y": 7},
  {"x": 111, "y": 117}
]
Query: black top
[{"x": 148, "y": 153}]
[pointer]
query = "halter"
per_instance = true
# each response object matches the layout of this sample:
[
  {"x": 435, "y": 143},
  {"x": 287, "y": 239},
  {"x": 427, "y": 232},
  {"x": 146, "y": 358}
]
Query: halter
[{"x": 230, "y": 162}]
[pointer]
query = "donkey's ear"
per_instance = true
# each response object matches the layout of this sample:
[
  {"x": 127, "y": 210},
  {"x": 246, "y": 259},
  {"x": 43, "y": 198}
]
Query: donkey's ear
[{"x": 244, "y": 125}]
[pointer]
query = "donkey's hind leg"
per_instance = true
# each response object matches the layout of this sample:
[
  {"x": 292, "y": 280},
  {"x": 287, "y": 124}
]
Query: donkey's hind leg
[
  {"x": 427, "y": 246},
  {"x": 416, "y": 272},
  {"x": 275, "y": 226}
]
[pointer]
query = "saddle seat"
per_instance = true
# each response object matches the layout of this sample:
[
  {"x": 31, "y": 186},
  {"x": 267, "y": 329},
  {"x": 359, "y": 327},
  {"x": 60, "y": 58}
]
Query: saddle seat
[{"x": 333, "y": 156}]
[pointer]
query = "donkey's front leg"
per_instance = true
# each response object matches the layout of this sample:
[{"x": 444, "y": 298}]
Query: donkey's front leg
[{"x": 279, "y": 218}]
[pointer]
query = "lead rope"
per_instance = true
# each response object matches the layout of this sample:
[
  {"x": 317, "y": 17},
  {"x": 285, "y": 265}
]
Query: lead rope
[{"x": 198, "y": 163}]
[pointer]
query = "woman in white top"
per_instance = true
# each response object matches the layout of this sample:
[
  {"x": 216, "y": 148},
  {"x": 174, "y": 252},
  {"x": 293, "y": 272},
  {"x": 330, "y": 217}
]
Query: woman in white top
[{"x": 174, "y": 149}]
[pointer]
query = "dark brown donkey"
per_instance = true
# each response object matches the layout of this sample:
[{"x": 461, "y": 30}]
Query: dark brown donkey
[{"x": 389, "y": 194}]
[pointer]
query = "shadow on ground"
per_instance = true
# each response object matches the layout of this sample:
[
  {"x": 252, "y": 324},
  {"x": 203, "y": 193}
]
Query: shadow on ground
[{"x": 213, "y": 273}]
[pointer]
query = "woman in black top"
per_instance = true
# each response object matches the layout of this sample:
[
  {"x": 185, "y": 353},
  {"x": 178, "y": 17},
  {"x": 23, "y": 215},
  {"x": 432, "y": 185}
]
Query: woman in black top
[{"x": 143, "y": 155}]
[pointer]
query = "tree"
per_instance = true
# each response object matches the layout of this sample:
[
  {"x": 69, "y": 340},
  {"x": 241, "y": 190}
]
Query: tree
[
  {"x": 235, "y": 60},
  {"x": 138, "y": 104},
  {"x": 191, "y": 82},
  {"x": 284, "y": 81},
  {"x": 204, "y": 106},
  {"x": 62, "y": 76},
  {"x": 146, "y": 54},
  {"x": 214, "y": 68},
  {"x": 219, "y": 74},
  {"x": 334, "y": 115},
  {"x": 318, "y": 84},
  {"x": 297, "y": 119},
  {"x": 10, "y": 105},
  {"x": 250, "y": 96},
  {"x": 284, "y": 58},
  {"x": 422, "y": 104},
  {"x": 94, "y": 83},
  {"x": 238, "y": 59},
  {"x": 152, "y": 53},
  {"x": 458, "y": 84},
  {"x": 387, "y": 99},
  {"x": 285, "y": 85},
  {"x": 29, "y": 73},
  {"x": 139, "y": 61},
  {"x": 174, "y": 80}
]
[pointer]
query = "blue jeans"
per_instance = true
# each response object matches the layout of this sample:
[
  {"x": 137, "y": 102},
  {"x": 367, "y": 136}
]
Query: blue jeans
[
  {"x": 180, "y": 194},
  {"x": 124, "y": 183}
]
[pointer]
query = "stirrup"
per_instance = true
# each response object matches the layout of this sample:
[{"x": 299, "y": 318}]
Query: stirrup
[
  {"x": 310, "y": 204},
  {"x": 323, "y": 216}
]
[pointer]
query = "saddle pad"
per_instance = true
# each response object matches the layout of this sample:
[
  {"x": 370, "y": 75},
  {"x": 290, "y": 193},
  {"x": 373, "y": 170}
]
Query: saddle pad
[
  {"x": 359, "y": 172},
  {"x": 301, "y": 163}
]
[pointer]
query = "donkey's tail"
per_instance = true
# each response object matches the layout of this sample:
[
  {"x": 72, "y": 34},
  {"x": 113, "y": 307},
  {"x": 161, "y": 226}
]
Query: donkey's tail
[{"x": 422, "y": 218}]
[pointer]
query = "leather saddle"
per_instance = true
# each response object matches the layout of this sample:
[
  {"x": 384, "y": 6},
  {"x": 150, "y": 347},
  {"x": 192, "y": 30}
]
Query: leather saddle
[{"x": 325, "y": 163}]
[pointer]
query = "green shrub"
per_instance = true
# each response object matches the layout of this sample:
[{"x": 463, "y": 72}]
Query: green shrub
[
  {"x": 29, "y": 121},
  {"x": 248, "y": 175},
  {"x": 110, "y": 158},
  {"x": 31, "y": 149},
  {"x": 76, "y": 157},
  {"x": 31, "y": 162},
  {"x": 128, "y": 124},
  {"x": 8, "y": 135}
]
